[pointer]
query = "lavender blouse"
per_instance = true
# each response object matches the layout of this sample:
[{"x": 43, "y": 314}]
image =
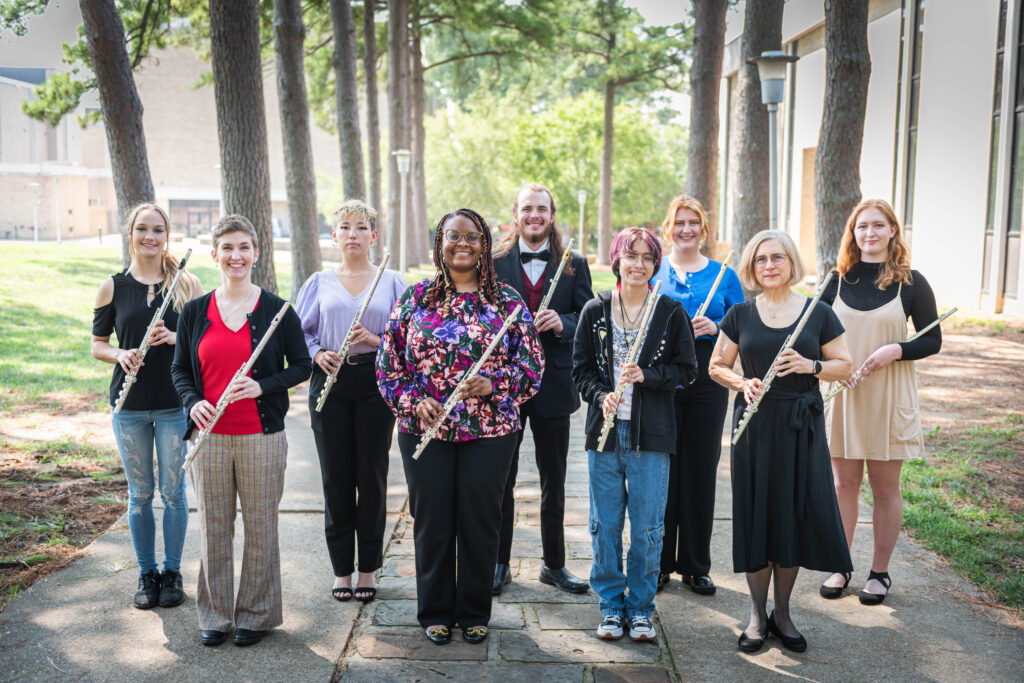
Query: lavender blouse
[{"x": 326, "y": 309}]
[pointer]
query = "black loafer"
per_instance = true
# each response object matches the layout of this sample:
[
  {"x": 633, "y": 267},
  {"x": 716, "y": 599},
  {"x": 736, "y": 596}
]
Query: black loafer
[
  {"x": 212, "y": 638},
  {"x": 439, "y": 636},
  {"x": 502, "y": 577},
  {"x": 748, "y": 644},
  {"x": 795, "y": 643},
  {"x": 563, "y": 580},
  {"x": 245, "y": 637},
  {"x": 474, "y": 635},
  {"x": 701, "y": 585}
]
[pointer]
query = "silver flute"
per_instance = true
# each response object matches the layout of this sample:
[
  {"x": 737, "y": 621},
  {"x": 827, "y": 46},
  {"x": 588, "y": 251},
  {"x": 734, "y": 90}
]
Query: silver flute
[
  {"x": 839, "y": 388},
  {"x": 634, "y": 351},
  {"x": 554, "y": 281},
  {"x": 333, "y": 377},
  {"x": 714, "y": 288},
  {"x": 130, "y": 378},
  {"x": 772, "y": 372},
  {"x": 223, "y": 402},
  {"x": 454, "y": 399}
]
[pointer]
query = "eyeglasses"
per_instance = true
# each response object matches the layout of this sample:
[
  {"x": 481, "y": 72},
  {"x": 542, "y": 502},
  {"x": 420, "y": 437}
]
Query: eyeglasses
[
  {"x": 647, "y": 259},
  {"x": 452, "y": 235},
  {"x": 777, "y": 260}
]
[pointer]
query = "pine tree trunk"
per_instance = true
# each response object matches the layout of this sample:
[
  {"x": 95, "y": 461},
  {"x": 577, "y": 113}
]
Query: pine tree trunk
[
  {"x": 289, "y": 33},
  {"x": 398, "y": 93},
  {"x": 122, "y": 110},
  {"x": 372, "y": 117},
  {"x": 242, "y": 124},
  {"x": 762, "y": 31},
  {"x": 837, "y": 160},
  {"x": 604, "y": 207},
  {"x": 346, "y": 93},
  {"x": 705, "y": 77},
  {"x": 418, "y": 220}
]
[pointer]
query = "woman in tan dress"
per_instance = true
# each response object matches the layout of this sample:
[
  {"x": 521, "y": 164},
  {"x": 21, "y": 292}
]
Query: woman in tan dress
[{"x": 879, "y": 421}]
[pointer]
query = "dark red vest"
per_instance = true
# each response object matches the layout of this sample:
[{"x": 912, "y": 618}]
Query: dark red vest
[{"x": 534, "y": 292}]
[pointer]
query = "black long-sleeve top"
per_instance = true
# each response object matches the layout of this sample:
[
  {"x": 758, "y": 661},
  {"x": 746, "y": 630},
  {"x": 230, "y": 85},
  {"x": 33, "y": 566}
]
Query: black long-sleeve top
[
  {"x": 860, "y": 293},
  {"x": 269, "y": 370}
]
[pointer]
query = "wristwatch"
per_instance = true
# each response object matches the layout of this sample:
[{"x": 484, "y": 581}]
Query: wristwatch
[{"x": 817, "y": 368}]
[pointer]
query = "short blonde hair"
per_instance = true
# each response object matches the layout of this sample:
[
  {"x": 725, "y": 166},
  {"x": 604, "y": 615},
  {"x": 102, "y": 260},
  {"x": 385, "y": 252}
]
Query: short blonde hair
[
  {"x": 685, "y": 202},
  {"x": 359, "y": 208},
  {"x": 746, "y": 266}
]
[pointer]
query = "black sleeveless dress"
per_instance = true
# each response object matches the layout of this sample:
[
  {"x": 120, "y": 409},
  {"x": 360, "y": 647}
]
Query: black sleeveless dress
[{"x": 783, "y": 495}]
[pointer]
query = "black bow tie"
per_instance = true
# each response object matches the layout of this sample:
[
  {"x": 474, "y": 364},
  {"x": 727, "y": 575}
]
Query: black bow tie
[{"x": 527, "y": 256}]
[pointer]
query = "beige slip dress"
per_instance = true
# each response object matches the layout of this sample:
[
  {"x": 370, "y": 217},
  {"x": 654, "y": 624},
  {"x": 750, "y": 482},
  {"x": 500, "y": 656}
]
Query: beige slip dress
[{"x": 880, "y": 418}]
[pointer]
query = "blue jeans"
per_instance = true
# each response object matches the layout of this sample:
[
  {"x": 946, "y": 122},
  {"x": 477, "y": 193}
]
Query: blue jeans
[
  {"x": 636, "y": 481},
  {"x": 135, "y": 432}
]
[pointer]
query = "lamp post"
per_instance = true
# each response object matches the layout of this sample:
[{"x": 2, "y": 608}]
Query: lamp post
[
  {"x": 771, "y": 69},
  {"x": 581, "y": 197},
  {"x": 402, "y": 157},
  {"x": 35, "y": 211}
]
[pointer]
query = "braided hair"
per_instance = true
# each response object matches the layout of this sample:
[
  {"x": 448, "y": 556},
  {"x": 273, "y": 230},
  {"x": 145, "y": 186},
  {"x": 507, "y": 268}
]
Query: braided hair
[{"x": 440, "y": 291}]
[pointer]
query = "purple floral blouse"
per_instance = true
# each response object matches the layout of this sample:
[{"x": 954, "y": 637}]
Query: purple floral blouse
[{"x": 424, "y": 355}]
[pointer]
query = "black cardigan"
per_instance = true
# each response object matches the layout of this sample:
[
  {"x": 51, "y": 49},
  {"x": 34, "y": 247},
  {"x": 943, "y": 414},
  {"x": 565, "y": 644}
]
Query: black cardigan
[
  {"x": 269, "y": 370},
  {"x": 666, "y": 357}
]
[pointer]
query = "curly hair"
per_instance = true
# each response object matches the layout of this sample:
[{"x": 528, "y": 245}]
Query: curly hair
[
  {"x": 897, "y": 261},
  {"x": 440, "y": 291}
]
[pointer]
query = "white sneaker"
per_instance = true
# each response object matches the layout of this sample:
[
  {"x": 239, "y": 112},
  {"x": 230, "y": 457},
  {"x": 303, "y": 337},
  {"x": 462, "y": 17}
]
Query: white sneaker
[
  {"x": 641, "y": 628},
  {"x": 610, "y": 628}
]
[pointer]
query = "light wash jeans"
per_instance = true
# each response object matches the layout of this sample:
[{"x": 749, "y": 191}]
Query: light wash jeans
[
  {"x": 135, "y": 432},
  {"x": 636, "y": 481}
]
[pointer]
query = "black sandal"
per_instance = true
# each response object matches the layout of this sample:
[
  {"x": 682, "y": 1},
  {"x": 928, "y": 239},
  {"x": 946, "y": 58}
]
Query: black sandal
[
  {"x": 883, "y": 578},
  {"x": 366, "y": 598},
  {"x": 833, "y": 592},
  {"x": 342, "y": 593}
]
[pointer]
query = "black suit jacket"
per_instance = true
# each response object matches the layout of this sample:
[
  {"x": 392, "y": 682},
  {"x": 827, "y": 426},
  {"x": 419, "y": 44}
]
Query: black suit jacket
[{"x": 558, "y": 396}]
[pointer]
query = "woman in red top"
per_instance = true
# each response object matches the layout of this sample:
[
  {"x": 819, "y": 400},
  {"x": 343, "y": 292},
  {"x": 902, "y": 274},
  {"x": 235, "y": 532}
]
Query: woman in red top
[{"x": 244, "y": 456}]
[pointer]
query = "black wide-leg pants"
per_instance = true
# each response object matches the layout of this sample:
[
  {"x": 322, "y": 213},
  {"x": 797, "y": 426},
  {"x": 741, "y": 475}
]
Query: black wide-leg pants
[
  {"x": 689, "y": 513},
  {"x": 455, "y": 493},
  {"x": 551, "y": 441},
  {"x": 353, "y": 437}
]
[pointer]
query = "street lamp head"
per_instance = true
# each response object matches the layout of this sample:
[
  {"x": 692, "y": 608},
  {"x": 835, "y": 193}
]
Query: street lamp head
[
  {"x": 402, "y": 156},
  {"x": 581, "y": 197},
  {"x": 771, "y": 70}
]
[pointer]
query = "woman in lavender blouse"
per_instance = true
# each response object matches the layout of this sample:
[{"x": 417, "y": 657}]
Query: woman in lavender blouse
[{"x": 353, "y": 432}]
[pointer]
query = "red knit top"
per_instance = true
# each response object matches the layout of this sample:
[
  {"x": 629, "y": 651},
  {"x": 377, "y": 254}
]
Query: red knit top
[{"x": 221, "y": 353}]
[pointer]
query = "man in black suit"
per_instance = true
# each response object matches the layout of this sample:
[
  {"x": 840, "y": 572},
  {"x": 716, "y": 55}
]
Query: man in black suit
[{"x": 527, "y": 259}]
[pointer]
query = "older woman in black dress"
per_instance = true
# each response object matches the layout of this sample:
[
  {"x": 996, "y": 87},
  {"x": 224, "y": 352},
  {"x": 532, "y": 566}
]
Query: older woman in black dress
[{"x": 785, "y": 514}]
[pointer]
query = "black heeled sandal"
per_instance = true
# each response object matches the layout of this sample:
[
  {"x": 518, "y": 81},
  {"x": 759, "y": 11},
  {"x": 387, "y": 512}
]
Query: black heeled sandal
[
  {"x": 883, "y": 578},
  {"x": 833, "y": 592}
]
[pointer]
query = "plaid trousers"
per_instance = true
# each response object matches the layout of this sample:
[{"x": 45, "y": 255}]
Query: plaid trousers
[{"x": 250, "y": 466}]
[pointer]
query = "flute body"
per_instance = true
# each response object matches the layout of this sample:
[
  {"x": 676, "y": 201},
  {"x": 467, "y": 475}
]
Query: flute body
[
  {"x": 634, "y": 351},
  {"x": 130, "y": 378},
  {"x": 333, "y": 377},
  {"x": 558, "y": 274},
  {"x": 222, "y": 402},
  {"x": 772, "y": 372},
  {"x": 454, "y": 399},
  {"x": 721, "y": 271}
]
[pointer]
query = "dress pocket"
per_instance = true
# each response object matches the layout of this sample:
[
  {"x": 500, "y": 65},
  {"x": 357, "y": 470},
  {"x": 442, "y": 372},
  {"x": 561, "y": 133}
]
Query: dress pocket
[{"x": 906, "y": 425}]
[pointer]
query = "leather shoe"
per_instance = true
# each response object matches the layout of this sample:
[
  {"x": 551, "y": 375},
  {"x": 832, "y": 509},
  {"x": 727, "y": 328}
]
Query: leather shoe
[
  {"x": 748, "y": 644},
  {"x": 563, "y": 580},
  {"x": 212, "y": 638},
  {"x": 245, "y": 637},
  {"x": 701, "y": 585},
  {"x": 502, "y": 577},
  {"x": 795, "y": 643},
  {"x": 439, "y": 636}
]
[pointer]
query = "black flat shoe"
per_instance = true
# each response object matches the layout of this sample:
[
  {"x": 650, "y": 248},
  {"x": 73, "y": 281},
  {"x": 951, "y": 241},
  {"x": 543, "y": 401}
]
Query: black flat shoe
[
  {"x": 369, "y": 594},
  {"x": 795, "y": 643},
  {"x": 563, "y": 580},
  {"x": 748, "y": 644},
  {"x": 439, "y": 636},
  {"x": 833, "y": 592},
  {"x": 701, "y": 585},
  {"x": 883, "y": 578},
  {"x": 212, "y": 638},
  {"x": 663, "y": 580},
  {"x": 474, "y": 635},
  {"x": 502, "y": 577},
  {"x": 245, "y": 637}
]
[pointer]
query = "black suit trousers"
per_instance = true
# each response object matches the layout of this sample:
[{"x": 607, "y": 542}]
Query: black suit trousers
[
  {"x": 551, "y": 441},
  {"x": 455, "y": 500},
  {"x": 689, "y": 513}
]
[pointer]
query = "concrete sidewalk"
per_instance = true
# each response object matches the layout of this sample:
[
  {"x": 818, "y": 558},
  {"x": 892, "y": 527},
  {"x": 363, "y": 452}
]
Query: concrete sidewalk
[{"x": 79, "y": 622}]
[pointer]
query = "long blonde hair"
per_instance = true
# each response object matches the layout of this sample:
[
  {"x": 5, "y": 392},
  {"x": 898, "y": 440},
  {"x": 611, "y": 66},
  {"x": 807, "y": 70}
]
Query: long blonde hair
[
  {"x": 897, "y": 260},
  {"x": 168, "y": 264}
]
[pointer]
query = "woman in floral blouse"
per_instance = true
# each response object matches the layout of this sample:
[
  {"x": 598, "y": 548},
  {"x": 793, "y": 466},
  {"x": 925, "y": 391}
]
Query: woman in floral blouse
[{"x": 438, "y": 330}]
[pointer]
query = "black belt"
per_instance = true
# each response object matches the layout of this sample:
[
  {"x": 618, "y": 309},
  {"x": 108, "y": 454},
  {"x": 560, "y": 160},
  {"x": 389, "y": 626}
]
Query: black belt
[{"x": 361, "y": 358}]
